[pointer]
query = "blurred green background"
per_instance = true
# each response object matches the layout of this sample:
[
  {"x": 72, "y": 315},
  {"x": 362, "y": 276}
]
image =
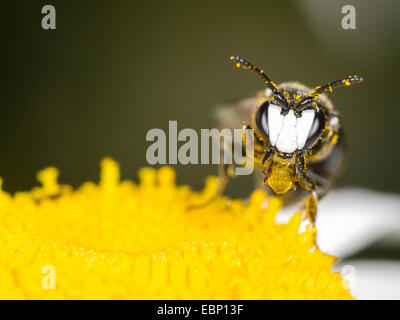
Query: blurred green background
[{"x": 112, "y": 70}]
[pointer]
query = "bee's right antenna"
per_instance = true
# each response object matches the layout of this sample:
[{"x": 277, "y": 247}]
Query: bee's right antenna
[
  {"x": 348, "y": 81},
  {"x": 310, "y": 99},
  {"x": 240, "y": 62}
]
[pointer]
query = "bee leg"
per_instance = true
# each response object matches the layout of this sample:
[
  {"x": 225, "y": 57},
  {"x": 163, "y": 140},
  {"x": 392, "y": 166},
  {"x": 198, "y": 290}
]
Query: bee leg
[
  {"x": 257, "y": 141},
  {"x": 323, "y": 184},
  {"x": 317, "y": 187},
  {"x": 227, "y": 171},
  {"x": 310, "y": 204},
  {"x": 224, "y": 172},
  {"x": 311, "y": 209},
  {"x": 312, "y": 200}
]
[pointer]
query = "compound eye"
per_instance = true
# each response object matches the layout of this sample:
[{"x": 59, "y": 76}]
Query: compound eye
[
  {"x": 269, "y": 121},
  {"x": 262, "y": 119},
  {"x": 317, "y": 127}
]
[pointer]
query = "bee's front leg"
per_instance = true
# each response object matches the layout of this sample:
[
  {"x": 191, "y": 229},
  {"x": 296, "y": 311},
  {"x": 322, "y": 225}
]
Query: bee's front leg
[
  {"x": 227, "y": 171},
  {"x": 311, "y": 186},
  {"x": 311, "y": 205},
  {"x": 311, "y": 202},
  {"x": 258, "y": 143},
  {"x": 224, "y": 172},
  {"x": 316, "y": 185},
  {"x": 318, "y": 188}
]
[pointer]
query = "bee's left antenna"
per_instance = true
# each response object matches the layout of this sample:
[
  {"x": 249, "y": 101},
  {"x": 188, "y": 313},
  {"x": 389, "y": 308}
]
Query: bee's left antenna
[{"x": 240, "y": 62}]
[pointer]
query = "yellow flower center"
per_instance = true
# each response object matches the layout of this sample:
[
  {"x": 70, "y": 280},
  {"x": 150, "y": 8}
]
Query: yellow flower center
[{"x": 121, "y": 240}]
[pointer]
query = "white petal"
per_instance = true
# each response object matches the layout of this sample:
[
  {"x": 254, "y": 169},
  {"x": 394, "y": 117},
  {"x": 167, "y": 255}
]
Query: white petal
[
  {"x": 372, "y": 279},
  {"x": 351, "y": 219}
]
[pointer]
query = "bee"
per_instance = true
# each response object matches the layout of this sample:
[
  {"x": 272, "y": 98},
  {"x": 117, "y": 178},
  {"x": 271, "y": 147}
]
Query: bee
[{"x": 298, "y": 140}]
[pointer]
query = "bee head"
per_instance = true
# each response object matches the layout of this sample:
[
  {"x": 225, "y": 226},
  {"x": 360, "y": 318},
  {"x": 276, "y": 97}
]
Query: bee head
[
  {"x": 289, "y": 131},
  {"x": 291, "y": 123}
]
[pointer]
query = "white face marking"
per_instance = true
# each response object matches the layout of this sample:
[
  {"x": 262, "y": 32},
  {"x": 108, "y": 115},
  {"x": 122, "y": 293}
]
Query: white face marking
[
  {"x": 303, "y": 127},
  {"x": 289, "y": 133},
  {"x": 287, "y": 139},
  {"x": 275, "y": 122}
]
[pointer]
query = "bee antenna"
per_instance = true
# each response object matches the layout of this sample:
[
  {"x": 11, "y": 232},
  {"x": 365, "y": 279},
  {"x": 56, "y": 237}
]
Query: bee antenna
[
  {"x": 240, "y": 62},
  {"x": 348, "y": 81}
]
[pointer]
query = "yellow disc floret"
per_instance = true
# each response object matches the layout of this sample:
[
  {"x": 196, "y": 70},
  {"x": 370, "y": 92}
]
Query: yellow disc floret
[{"x": 121, "y": 240}]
